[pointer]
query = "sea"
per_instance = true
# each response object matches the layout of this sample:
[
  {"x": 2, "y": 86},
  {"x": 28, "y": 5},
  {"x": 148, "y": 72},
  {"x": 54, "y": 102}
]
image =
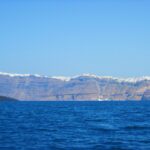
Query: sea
[{"x": 74, "y": 125}]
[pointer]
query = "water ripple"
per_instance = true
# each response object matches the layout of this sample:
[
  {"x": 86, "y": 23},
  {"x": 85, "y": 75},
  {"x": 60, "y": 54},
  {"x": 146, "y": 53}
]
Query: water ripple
[{"x": 75, "y": 125}]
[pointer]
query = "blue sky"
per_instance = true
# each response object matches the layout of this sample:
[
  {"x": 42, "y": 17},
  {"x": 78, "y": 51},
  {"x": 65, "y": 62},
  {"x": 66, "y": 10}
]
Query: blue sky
[{"x": 104, "y": 37}]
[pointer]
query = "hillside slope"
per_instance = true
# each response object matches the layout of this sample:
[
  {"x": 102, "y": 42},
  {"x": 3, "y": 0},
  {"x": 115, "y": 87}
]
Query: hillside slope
[
  {"x": 84, "y": 87},
  {"x": 4, "y": 98}
]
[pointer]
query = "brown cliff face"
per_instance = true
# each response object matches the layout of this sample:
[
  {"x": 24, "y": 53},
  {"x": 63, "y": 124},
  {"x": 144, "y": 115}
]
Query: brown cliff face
[{"x": 78, "y": 88}]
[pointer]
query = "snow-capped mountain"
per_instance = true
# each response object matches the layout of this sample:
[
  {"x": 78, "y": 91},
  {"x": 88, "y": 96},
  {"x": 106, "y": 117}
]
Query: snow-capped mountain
[
  {"x": 81, "y": 87},
  {"x": 63, "y": 78}
]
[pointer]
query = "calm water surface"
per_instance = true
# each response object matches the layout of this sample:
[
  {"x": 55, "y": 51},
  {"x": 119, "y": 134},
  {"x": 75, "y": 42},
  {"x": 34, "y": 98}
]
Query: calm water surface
[{"x": 75, "y": 125}]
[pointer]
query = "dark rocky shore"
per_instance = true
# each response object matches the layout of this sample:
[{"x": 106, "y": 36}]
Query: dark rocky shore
[{"x": 4, "y": 98}]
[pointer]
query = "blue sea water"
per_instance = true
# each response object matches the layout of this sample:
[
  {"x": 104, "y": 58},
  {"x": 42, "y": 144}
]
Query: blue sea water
[{"x": 75, "y": 125}]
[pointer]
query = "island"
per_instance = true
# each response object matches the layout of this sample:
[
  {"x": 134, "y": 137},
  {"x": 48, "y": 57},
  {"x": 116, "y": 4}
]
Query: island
[
  {"x": 27, "y": 87},
  {"x": 4, "y": 98}
]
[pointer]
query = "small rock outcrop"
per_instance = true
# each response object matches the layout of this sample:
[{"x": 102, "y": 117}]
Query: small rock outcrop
[{"x": 4, "y": 98}]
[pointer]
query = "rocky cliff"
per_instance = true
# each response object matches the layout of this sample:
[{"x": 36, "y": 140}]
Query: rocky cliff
[
  {"x": 84, "y": 87},
  {"x": 146, "y": 95},
  {"x": 4, "y": 98}
]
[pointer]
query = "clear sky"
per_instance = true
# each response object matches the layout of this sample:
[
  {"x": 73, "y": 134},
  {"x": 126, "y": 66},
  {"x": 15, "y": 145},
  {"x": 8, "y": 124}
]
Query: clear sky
[{"x": 71, "y": 37}]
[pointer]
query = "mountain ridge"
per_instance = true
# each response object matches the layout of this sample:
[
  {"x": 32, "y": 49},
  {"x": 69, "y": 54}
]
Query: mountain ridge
[
  {"x": 64, "y": 78},
  {"x": 82, "y": 87}
]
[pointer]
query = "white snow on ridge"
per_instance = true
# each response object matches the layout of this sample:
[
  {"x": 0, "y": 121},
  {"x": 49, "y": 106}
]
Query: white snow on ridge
[
  {"x": 19, "y": 75},
  {"x": 14, "y": 74},
  {"x": 63, "y": 78},
  {"x": 35, "y": 75},
  {"x": 131, "y": 80}
]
